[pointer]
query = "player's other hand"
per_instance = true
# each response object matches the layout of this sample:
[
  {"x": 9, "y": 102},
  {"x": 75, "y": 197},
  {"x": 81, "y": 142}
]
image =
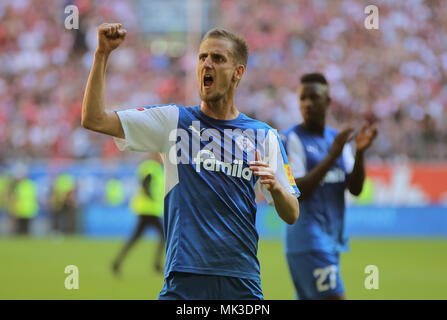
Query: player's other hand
[
  {"x": 264, "y": 172},
  {"x": 340, "y": 140},
  {"x": 110, "y": 36},
  {"x": 366, "y": 136}
]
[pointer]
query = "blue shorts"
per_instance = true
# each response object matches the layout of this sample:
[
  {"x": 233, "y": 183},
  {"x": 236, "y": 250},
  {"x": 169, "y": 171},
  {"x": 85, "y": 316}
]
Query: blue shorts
[
  {"x": 190, "y": 286},
  {"x": 315, "y": 274}
]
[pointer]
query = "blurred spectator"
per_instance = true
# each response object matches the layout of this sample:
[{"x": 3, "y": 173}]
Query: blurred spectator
[
  {"x": 114, "y": 192},
  {"x": 23, "y": 201},
  {"x": 5, "y": 186},
  {"x": 63, "y": 206}
]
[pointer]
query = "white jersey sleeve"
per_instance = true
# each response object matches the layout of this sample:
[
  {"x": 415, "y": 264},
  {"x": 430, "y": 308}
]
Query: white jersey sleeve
[
  {"x": 297, "y": 156},
  {"x": 147, "y": 129},
  {"x": 276, "y": 157},
  {"x": 348, "y": 158}
]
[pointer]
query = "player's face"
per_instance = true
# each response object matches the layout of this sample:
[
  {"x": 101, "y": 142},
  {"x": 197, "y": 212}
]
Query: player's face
[
  {"x": 215, "y": 69},
  {"x": 314, "y": 101}
]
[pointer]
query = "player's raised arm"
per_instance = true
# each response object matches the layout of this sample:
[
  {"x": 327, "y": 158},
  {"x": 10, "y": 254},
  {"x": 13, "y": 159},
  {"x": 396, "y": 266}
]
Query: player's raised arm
[
  {"x": 94, "y": 115},
  {"x": 313, "y": 178}
]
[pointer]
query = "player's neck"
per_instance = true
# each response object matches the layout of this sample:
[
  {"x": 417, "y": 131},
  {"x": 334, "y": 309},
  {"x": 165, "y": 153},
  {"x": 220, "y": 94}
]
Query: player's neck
[
  {"x": 314, "y": 128},
  {"x": 223, "y": 109}
]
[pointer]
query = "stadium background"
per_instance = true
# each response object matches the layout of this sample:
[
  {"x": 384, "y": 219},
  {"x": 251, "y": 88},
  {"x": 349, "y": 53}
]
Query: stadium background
[{"x": 396, "y": 74}]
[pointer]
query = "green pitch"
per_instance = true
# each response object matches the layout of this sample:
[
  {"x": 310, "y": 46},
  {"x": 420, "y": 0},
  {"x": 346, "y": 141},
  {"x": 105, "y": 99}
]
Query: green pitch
[{"x": 34, "y": 269}]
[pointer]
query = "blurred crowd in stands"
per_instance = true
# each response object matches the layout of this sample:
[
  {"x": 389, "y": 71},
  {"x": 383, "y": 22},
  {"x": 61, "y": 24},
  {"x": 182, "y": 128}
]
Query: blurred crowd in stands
[{"x": 396, "y": 75}]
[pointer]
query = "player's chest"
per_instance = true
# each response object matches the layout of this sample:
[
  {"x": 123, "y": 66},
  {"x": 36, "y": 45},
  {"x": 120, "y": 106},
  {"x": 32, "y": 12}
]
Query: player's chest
[
  {"x": 316, "y": 149},
  {"x": 224, "y": 143}
]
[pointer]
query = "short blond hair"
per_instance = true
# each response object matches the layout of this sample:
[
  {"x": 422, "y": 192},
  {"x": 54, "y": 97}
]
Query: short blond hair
[{"x": 240, "y": 46}]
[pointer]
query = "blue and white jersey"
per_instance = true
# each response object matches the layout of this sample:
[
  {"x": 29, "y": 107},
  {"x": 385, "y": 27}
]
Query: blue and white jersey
[
  {"x": 210, "y": 207},
  {"x": 321, "y": 222}
]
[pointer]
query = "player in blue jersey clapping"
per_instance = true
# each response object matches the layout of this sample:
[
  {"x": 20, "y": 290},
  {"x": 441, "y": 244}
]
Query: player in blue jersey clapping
[
  {"x": 214, "y": 158},
  {"x": 323, "y": 167}
]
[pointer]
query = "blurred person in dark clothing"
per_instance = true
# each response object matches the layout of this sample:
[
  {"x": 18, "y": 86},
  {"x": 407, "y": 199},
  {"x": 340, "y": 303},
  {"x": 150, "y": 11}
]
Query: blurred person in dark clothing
[{"x": 63, "y": 206}]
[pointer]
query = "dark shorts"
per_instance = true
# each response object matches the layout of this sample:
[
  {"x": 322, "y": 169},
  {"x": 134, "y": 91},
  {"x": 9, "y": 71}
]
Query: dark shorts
[
  {"x": 316, "y": 274},
  {"x": 190, "y": 286}
]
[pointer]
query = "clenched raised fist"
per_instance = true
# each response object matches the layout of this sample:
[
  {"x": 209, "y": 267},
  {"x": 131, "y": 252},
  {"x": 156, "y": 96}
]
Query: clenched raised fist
[{"x": 110, "y": 36}]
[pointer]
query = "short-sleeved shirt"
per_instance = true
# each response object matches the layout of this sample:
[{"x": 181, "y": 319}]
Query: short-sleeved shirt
[
  {"x": 210, "y": 208},
  {"x": 321, "y": 225}
]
